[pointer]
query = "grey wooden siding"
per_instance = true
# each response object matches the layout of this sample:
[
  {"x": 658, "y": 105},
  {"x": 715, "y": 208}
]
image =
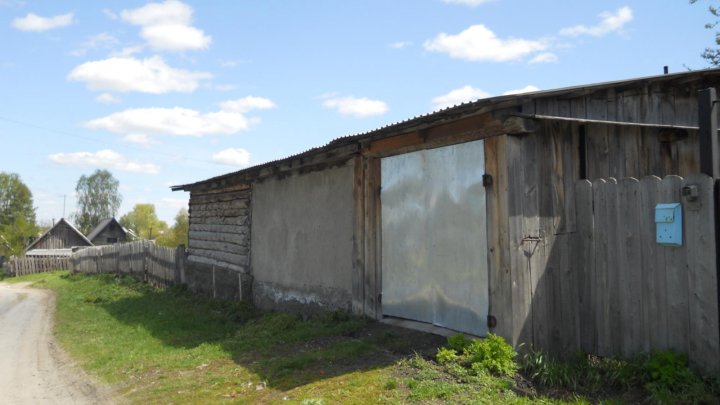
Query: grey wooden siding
[{"x": 220, "y": 227}]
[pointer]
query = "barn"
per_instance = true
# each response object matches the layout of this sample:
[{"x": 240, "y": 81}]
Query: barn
[
  {"x": 578, "y": 219},
  {"x": 57, "y": 241},
  {"x": 108, "y": 232}
]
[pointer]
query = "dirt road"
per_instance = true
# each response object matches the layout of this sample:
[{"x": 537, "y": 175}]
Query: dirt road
[{"x": 33, "y": 369}]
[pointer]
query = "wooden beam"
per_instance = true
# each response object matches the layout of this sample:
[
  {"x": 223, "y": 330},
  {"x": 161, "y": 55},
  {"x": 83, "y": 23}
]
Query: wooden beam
[
  {"x": 607, "y": 122},
  {"x": 707, "y": 118}
]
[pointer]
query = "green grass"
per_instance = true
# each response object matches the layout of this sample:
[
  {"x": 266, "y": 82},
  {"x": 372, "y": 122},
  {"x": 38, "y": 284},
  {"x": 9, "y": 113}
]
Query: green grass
[{"x": 169, "y": 346}]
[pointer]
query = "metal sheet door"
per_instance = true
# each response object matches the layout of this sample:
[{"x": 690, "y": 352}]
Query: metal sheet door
[{"x": 434, "y": 237}]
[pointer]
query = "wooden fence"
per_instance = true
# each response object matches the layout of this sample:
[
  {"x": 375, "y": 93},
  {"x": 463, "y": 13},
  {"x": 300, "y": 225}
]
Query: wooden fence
[
  {"x": 20, "y": 266},
  {"x": 160, "y": 266},
  {"x": 635, "y": 295}
]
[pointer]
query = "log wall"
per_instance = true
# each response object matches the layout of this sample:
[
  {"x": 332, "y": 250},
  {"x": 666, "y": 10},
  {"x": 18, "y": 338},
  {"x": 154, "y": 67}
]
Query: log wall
[{"x": 220, "y": 228}]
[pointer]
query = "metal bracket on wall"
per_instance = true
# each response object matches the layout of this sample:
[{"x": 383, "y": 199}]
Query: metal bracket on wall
[{"x": 487, "y": 180}]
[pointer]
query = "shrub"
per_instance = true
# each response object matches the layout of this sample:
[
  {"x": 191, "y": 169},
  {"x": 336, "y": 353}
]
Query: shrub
[
  {"x": 458, "y": 342},
  {"x": 492, "y": 354},
  {"x": 445, "y": 355},
  {"x": 489, "y": 355},
  {"x": 670, "y": 379}
]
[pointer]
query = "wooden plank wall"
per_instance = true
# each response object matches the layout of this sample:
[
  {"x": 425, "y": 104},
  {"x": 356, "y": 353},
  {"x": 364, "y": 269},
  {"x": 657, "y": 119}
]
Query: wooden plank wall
[
  {"x": 544, "y": 282},
  {"x": 638, "y": 295}
]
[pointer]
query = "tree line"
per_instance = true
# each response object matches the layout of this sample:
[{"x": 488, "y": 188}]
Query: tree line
[{"x": 98, "y": 198}]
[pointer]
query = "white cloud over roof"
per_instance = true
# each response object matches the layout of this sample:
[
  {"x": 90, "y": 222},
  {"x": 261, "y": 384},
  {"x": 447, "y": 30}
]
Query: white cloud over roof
[
  {"x": 105, "y": 158},
  {"x": 138, "y": 124},
  {"x": 356, "y": 107},
  {"x": 232, "y": 157},
  {"x": 609, "y": 22},
  {"x": 478, "y": 43},
  {"x": 125, "y": 74},
  {"x": 458, "y": 96}
]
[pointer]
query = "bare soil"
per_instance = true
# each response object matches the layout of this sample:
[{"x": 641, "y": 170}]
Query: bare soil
[{"x": 33, "y": 368}]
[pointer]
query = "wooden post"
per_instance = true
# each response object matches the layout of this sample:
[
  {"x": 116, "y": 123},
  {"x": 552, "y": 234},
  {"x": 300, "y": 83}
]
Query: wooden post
[{"x": 708, "y": 125}]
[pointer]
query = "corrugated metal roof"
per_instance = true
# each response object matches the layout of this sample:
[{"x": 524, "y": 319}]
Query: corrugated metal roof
[{"x": 459, "y": 110}]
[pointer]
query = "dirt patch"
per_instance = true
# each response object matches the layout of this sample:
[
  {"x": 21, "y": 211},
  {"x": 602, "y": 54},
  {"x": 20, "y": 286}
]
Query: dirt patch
[{"x": 34, "y": 368}]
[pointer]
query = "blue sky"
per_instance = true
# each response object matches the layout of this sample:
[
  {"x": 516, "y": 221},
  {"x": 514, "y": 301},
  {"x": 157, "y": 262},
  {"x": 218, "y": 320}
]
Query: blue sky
[{"x": 166, "y": 93}]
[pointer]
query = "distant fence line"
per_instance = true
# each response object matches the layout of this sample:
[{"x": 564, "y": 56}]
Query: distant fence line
[
  {"x": 30, "y": 265},
  {"x": 160, "y": 266}
]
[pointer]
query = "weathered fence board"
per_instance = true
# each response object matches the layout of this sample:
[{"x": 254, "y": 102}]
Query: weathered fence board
[
  {"x": 20, "y": 266},
  {"x": 160, "y": 266},
  {"x": 637, "y": 295}
]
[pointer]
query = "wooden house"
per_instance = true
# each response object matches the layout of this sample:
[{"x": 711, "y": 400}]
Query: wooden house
[
  {"x": 532, "y": 216},
  {"x": 58, "y": 241},
  {"x": 108, "y": 232}
]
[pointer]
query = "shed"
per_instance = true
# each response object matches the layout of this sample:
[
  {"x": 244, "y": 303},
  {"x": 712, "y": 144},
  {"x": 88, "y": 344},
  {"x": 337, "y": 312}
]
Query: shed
[
  {"x": 62, "y": 236},
  {"x": 530, "y": 216},
  {"x": 108, "y": 232}
]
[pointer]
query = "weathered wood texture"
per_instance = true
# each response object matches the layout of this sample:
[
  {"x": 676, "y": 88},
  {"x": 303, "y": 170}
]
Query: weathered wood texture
[
  {"x": 616, "y": 151},
  {"x": 61, "y": 236},
  {"x": 638, "y": 295},
  {"x": 220, "y": 228},
  {"x": 20, "y": 266},
  {"x": 160, "y": 266}
]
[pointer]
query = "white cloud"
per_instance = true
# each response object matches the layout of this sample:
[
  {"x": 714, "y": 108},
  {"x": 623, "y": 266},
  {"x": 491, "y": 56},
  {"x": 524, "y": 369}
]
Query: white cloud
[
  {"x": 527, "y": 89},
  {"x": 609, "y": 22},
  {"x": 167, "y": 26},
  {"x": 478, "y": 43},
  {"x": 458, "y": 96},
  {"x": 151, "y": 75},
  {"x": 171, "y": 121},
  {"x": 35, "y": 23},
  {"x": 175, "y": 37},
  {"x": 245, "y": 104},
  {"x": 545, "y": 57},
  {"x": 356, "y": 107},
  {"x": 232, "y": 157},
  {"x": 471, "y": 3},
  {"x": 107, "y": 98},
  {"x": 127, "y": 51},
  {"x": 102, "y": 40},
  {"x": 400, "y": 44},
  {"x": 105, "y": 158},
  {"x": 140, "y": 139},
  {"x": 138, "y": 124}
]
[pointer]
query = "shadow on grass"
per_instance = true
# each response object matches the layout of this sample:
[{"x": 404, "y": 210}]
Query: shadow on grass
[{"x": 284, "y": 350}]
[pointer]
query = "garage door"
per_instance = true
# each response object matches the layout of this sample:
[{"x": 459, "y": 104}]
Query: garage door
[{"x": 434, "y": 242}]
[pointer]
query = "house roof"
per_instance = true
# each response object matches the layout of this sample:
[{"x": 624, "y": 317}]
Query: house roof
[
  {"x": 49, "y": 231},
  {"x": 102, "y": 225},
  {"x": 468, "y": 109}
]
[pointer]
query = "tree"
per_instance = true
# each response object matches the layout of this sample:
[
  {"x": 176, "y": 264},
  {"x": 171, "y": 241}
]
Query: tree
[
  {"x": 98, "y": 199},
  {"x": 712, "y": 55},
  {"x": 144, "y": 222},
  {"x": 178, "y": 234},
  {"x": 17, "y": 215}
]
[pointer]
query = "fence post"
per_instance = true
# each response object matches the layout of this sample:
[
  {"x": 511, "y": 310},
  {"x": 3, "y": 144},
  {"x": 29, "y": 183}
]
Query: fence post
[{"x": 180, "y": 264}]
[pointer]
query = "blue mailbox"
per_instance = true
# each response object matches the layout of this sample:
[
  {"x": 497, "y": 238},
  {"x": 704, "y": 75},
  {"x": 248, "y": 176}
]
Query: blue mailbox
[{"x": 668, "y": 224}]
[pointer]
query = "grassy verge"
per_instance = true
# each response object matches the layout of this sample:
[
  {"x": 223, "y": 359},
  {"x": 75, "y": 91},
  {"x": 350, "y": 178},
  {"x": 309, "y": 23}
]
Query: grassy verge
[{"x": 168, "y": 346}]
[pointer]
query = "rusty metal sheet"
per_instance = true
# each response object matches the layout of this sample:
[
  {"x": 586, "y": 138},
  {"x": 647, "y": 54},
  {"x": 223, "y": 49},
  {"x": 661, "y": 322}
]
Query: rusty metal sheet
[{"x": 434, "y": 237}]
